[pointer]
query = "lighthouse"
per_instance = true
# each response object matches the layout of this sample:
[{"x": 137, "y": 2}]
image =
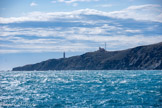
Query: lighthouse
[
  {"x": 105, "y": 46},
  {"x": 64, "y": 55}
]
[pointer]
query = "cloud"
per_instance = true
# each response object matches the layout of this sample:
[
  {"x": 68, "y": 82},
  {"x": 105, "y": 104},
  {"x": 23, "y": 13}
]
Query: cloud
[
  {"x": 53, "y": 1},
  {"x": 33, "y": 4},
  {"x": 131, "y": 0},
  {"x": 147, "y": 6},
  {"x": 105, "y": 5},
  {"x": 46, "y": 45},
  {"x": 137, "y": 39},
  {"x": 70, "y": 39},
  {"x": 41, "y": 16},
  {"x": 147, "y": 12},
  {"x": 133, "y": 31},
  {"x": 41, "y": 45},
  {"x": 80, "y": 30},
  {"x": 40, "y": 32},
  {"x": 104, "y": 29},
  {"x": 5, "y": 51},
  {"x": 73, "y": 1},
  {"x": 75, "y": 4}
]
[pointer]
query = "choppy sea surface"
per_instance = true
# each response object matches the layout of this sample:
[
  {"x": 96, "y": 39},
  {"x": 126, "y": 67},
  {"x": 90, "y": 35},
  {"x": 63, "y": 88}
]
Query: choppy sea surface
[{"x": 81, "y": 89}]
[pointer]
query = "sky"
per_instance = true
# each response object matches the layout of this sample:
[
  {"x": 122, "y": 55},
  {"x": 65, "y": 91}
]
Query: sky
[{"x": 32, "y": 31}]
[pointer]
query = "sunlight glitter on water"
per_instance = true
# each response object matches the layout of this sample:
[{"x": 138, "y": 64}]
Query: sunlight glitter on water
[{"x": 81, "y": 89}]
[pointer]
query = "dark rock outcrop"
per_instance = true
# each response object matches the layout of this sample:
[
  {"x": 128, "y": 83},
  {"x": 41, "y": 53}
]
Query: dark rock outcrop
[{"x": 139, "y": 58}]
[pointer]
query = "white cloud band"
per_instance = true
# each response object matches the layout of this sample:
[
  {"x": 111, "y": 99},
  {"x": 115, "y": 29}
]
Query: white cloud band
[{"x": 147, "y": 12}]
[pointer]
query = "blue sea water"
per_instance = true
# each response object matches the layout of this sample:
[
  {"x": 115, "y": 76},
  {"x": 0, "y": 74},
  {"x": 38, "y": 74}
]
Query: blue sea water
[{"x": 81, "y": 89}]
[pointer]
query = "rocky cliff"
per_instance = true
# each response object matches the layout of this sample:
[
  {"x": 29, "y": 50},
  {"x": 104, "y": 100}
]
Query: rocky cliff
[{"x": 139, "y": 58}]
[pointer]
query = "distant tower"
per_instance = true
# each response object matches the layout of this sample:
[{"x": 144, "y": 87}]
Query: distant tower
[
  {"x": 105, "y": 45},
  {"x": 64, "y": 55}
]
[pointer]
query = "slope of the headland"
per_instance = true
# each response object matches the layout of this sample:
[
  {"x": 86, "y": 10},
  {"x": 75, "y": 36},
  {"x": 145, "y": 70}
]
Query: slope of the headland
[{"x": 147, "y": 57}]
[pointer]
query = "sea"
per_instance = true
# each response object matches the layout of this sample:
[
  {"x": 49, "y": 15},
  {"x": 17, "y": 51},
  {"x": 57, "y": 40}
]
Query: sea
[{"x": 81, "y": 89}]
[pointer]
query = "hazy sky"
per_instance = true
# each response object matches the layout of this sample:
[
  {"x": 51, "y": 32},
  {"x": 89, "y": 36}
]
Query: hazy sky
[{"x": 36, "y": 30}]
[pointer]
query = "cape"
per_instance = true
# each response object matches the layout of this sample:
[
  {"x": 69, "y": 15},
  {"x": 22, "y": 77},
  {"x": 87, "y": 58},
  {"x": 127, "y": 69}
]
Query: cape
[{"x": 147, "y": 57}]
